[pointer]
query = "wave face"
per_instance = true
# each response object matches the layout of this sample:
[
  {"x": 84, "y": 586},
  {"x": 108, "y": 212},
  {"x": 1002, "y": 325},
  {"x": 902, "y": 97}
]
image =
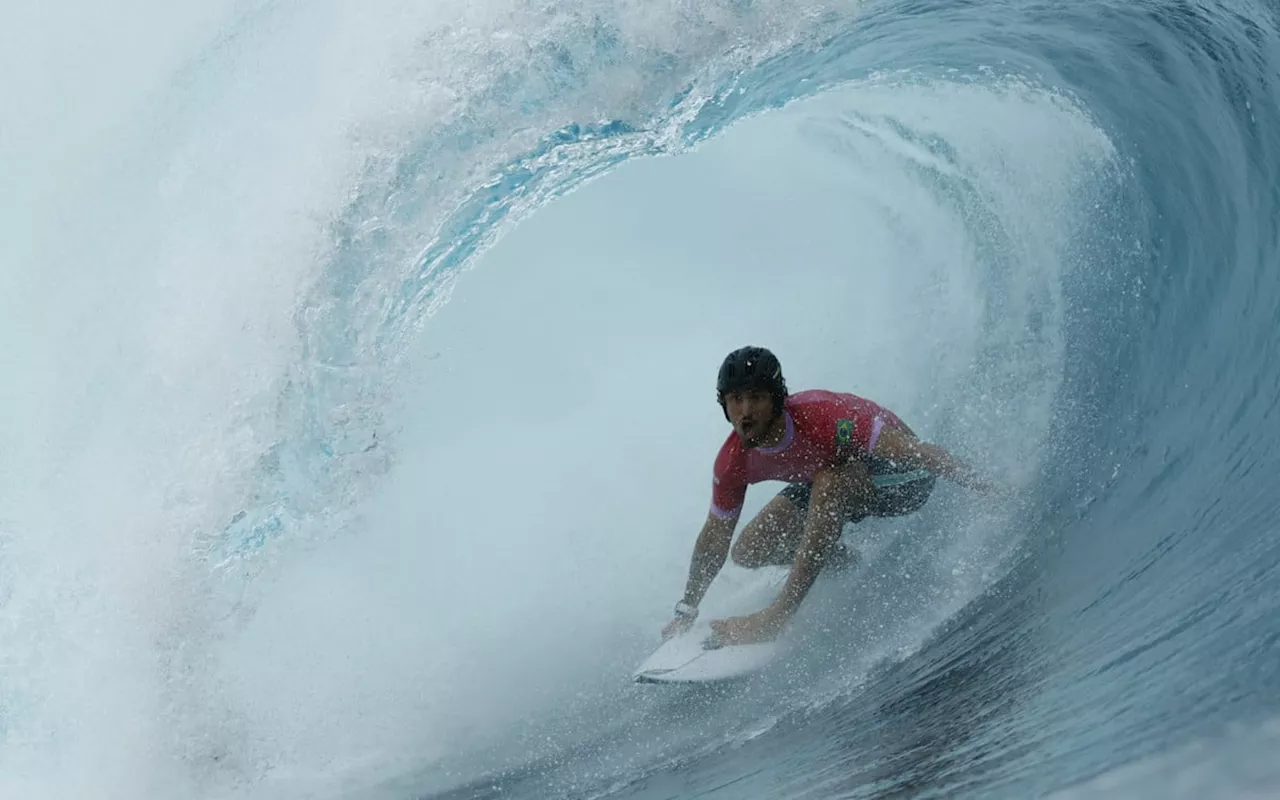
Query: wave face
[{"x": 298, "y": 504}]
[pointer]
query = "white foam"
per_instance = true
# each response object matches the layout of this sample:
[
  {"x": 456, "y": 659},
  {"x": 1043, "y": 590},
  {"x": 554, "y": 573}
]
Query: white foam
[{"x": 174, "y": 214}]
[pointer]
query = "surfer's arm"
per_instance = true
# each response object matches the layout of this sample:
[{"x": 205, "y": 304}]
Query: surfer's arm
[
  {"x": 901, "y": 447},
  {"x": 832, "y": 489},
  {"x": 709, "y": 555},
  {"x": 804, "y": 572}
]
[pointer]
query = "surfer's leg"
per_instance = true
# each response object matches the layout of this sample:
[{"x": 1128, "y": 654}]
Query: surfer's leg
[
  {"x": 839, "y": 494},
  {"x": 773, "y": 536},
  {"x": 843, "y": 494}
]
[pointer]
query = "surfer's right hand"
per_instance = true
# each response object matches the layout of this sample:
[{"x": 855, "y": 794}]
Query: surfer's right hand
[
  {"x": 679, "y": 624},
  {"x": 685, "y": 615}
]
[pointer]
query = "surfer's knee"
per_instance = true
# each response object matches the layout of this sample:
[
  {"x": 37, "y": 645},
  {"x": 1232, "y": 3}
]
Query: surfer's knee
[
  {"x": 750, "y": 549},
  {"x": 746, "y": 556},
  {"x": 851, "y": 477},
  {"x": 843, "y": 491},
  {"x": 766, "y": 535}
]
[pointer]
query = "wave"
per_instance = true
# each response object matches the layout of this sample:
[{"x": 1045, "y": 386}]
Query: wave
[{"x": 301, "y": 506}]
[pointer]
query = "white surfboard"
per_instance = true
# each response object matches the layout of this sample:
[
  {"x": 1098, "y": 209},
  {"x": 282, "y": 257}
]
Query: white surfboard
[{"x": 687, "y": 659}]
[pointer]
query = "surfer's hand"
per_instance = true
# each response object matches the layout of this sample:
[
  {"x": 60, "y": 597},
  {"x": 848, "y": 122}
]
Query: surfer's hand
[
  {"x": 678, "y": 625},
  {"x": 762, "y": 626}
]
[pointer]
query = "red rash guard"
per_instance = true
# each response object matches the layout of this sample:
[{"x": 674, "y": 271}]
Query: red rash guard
[{"x": 823, "y": 429}]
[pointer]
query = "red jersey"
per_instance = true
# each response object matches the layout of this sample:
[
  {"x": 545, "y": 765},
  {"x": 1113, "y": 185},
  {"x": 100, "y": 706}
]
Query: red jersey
[{"x": 823, "y": 429}]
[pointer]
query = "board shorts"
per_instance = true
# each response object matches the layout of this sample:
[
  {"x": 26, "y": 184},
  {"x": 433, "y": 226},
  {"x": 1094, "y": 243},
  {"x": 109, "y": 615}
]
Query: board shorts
[{"x": 897, "y": 493}]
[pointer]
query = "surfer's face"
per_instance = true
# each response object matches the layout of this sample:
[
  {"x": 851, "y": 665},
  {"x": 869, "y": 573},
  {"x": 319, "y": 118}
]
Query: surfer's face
[{"x": 751, "y": 412}]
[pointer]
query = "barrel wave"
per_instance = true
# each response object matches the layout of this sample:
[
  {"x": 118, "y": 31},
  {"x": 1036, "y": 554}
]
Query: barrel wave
[{"x": 360, "y": 379}]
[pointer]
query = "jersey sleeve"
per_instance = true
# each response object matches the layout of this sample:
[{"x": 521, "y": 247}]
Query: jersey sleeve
[{"x": 729, "y": 483}]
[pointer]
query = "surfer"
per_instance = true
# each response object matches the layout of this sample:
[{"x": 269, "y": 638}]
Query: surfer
[{"x": 833, "y": 449}]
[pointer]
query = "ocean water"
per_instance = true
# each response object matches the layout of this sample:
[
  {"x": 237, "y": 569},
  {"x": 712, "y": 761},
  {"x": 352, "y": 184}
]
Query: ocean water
[{"x": 357, "y": 388}]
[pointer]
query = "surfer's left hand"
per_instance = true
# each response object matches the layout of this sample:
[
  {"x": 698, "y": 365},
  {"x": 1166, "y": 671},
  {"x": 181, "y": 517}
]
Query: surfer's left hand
[{"x": 762, "y": 626}]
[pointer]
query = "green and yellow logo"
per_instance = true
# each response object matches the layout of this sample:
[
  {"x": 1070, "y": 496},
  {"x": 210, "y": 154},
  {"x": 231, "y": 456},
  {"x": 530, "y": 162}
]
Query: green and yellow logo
[{"x": 844, "y": 431}]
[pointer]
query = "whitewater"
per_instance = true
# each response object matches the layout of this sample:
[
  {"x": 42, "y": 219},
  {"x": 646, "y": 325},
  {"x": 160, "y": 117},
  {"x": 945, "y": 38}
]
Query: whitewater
[{"x": 357, "y": 385}]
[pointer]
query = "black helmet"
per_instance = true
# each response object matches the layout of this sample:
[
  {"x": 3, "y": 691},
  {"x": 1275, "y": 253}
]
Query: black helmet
[{"x": 751, "y": 368}]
